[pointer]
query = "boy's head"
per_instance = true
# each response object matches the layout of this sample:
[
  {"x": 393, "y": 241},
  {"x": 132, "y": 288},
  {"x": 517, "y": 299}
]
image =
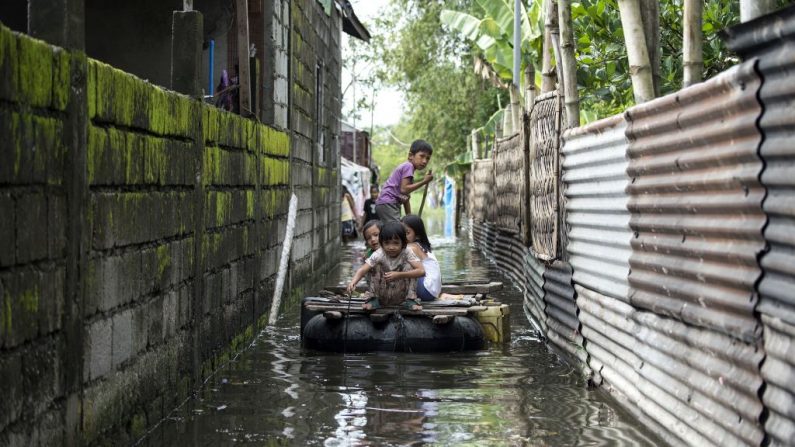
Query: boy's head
[
  {"x": 420, "y": 154},
  {"x": 393, "y": 238},
  {"x": 373, "y": 192}
]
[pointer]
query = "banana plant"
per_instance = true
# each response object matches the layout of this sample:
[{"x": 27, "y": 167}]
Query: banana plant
[{"x": 492, "y": 32}]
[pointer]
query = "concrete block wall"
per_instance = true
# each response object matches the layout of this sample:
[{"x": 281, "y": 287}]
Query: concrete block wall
[
  {"x": 141, "y": 232},
  {"x": 315, "y": 51},
  {"x": 34, "y": 96}
]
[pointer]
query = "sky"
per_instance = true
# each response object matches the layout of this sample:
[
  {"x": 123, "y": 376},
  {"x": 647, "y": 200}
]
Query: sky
[{"x": 389, "y": 103}]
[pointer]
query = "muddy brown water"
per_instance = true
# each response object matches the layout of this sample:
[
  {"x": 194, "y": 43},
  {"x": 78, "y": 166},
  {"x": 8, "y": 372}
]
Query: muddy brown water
[{"x": 519, "y": 393}]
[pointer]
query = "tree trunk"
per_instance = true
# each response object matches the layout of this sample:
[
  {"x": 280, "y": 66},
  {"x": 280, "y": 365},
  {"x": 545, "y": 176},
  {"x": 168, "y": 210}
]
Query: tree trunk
[
  {"x": 568, "y": 65},
  {"x": 650, "y": 14},
  {"x": 637, "y": 52},
  {"x": 751, "y": 9},
  {"x": 548, "y": 77},
  {"x": 693, "y": 57}
]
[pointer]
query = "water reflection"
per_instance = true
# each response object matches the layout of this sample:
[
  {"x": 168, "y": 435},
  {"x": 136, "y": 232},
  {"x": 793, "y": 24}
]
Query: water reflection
[{"x": 518, "y": 394}]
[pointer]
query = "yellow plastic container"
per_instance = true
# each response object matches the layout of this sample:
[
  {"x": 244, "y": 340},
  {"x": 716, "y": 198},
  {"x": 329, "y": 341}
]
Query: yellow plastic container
[{"x": 495, "y": 321}]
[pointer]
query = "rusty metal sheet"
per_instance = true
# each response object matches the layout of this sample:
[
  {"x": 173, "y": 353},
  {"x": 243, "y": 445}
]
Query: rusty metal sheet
[
  {"x": 561, "y": 310},
  {"x": 594, "y": 170},
  {"x": 710, "y": 380},
  {"x": 510, "y": 179},
  {"x": 534, "y": 296},
  {"x": 778, "y": 370},
  {"x": 697, "y": 385},
  {"x": 544, "y": 168},
  {"x": 771, "y": 39},
  {"x": 696, "y": 203}
]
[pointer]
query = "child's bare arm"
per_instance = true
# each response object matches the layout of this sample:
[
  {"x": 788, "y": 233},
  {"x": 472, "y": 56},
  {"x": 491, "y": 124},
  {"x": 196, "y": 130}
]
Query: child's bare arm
[
  {"x": 417, "y": 271},
  {"x": 358, "y": 277},
  {"x": 406, "y": 187},
  {"x": 417, "y": 250}
]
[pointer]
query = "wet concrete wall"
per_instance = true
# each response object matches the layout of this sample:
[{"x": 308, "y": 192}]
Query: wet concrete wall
[{"x": 140, "y": 238}]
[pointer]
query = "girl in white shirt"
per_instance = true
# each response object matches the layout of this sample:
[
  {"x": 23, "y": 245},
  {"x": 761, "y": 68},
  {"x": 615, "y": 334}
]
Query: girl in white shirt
[{"x": 429, "y": 286}]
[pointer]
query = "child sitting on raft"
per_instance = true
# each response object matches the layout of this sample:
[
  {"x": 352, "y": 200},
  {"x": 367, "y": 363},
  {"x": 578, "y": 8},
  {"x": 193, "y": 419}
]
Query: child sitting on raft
[
  {"x": 371, "y": 231},
  {"x": 395, "y": 269},
  {"x": 429, "y": 286}
]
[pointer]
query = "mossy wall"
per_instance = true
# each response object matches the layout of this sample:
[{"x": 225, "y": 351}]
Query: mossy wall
[
  {"x": 34, "y": 90},
  {"x": 180, "y": 216}
]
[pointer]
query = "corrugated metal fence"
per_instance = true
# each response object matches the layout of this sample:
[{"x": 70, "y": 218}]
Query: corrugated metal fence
[
  {"x": 771, "y": 41},
  {"x": 679, "y": 291}
]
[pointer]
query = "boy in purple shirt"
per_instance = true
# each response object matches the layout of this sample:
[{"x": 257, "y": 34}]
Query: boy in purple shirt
[{"x": 399, "y": 184}]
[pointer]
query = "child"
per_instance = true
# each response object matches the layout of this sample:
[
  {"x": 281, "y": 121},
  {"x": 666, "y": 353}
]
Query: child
[
  {"x": 371, "y": 231},
  {"x": 429, "y": 286},
  {"x": 399, "y": 184},
  {"x": 369, "y": 205},
  {"x": 348, "y": 216},
  {"x": 394, "y": 271}
]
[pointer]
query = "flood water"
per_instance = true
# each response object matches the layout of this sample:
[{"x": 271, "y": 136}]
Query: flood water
[{"x": 275, "y": 393}]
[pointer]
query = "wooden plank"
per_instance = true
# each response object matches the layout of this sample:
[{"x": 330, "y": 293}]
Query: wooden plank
[
  {"x": 471, "y": 288},
  {"x": 456, "y": 287},
  {"x": 244, "y": 72},
  {"x": 386, "y": 310}
]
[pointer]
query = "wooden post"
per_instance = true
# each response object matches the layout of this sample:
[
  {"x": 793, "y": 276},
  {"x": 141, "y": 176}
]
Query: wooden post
[
  {"x": 693, "y": 56},
  {"x": 243, "y": 74}
]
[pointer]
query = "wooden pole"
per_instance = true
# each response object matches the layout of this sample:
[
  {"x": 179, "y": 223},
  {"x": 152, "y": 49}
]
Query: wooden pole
[
  {"x": 243, "y": 74},
  {"x": 424, "y": 195},
  {"x": 568, "y": 65},
  {"x": 693, "y": 57},
  {"x": 637, "y": 53}
]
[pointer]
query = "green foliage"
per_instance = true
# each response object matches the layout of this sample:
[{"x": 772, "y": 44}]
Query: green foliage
[
  {"x": 491, "y": 31},
  {"x": 445, "y": 98},
  {"x": 602, "y": 69}
]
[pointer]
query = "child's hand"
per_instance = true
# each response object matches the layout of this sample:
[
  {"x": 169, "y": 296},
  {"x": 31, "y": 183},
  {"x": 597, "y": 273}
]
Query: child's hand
[
  {"x": 351, "y": 287},
  {"x": 391, "y": 276},
  {"x": 428, "y": 176}
]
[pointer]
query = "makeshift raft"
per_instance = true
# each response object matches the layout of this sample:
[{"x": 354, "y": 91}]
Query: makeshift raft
[{"x": 334, "y": 323}]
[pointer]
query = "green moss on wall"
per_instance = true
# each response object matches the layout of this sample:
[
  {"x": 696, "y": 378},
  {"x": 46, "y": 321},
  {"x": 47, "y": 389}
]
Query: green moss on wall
[
  {"x": 9, "y": 63},
  {"x": 35, "y": 72},
  {"x": 163, "y": 260},
  {"x": 222, "y": 202},
  {"x": 123, "y": 99},
  {"x": 250, "y": 204},
  {"x": 276, "y": 171},
  {"x": 60, "y": 80}
]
